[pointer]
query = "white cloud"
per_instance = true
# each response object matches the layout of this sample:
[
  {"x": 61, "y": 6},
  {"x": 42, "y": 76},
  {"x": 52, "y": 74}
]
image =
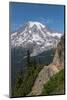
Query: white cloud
[{"x": 45, "y": 20}]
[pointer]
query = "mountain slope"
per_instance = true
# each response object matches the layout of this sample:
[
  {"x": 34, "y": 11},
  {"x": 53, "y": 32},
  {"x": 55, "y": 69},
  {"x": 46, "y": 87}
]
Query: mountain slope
[
  {"x": 36, "y": 36},
  {"x": 42, "y": 78}
]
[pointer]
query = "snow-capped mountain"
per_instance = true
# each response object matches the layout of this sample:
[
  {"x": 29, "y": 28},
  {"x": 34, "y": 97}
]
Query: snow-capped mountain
[{"x": 36, "y": 37}]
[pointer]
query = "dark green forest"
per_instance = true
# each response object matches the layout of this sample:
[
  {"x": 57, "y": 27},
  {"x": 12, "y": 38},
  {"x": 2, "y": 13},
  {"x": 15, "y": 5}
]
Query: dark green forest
[{"x": 25, "y": 81}]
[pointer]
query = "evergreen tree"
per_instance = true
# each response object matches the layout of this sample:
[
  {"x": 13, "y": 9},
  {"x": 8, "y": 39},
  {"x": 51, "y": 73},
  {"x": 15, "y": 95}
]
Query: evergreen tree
[
  {"x": 28, "y": 58},
  {"x": 34, "y": 63}
]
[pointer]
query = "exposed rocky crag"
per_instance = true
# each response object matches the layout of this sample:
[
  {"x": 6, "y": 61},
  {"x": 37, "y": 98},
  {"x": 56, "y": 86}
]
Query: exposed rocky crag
[{"x": 59, "y": 55}]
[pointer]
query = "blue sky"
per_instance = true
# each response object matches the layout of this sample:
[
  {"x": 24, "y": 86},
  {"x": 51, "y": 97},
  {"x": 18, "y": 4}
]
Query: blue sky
[{"x": 50, "y": 15}]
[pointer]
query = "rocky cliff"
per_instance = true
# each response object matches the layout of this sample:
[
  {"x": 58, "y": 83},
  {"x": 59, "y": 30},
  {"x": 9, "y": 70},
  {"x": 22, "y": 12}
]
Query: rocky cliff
[{"x": 59, "y": 55}]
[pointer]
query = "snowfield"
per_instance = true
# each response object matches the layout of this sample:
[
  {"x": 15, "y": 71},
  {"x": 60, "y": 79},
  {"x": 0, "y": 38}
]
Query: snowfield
[{"x": 36, "y": 34}]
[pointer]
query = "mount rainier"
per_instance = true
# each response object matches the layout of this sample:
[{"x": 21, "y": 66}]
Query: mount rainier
[{"x": 36, "y": 37}]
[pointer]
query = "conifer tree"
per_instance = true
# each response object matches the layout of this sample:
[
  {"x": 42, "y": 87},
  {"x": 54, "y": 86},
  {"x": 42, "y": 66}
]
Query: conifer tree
[{"x": 28, "y": 58}]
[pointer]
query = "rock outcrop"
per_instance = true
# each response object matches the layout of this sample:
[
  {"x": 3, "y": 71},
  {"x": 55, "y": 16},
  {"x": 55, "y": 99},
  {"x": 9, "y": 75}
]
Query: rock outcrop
[{"x": 59, "y": 55}]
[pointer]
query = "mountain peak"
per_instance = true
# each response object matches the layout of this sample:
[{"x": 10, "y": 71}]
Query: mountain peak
[
  {"x": 35, "y": 35},
  {"x": 38, "y": 24}
]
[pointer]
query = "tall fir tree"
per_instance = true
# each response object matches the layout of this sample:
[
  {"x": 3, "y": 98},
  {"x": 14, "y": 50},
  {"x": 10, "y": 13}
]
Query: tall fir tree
[{"x": 28, "y": 58}]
